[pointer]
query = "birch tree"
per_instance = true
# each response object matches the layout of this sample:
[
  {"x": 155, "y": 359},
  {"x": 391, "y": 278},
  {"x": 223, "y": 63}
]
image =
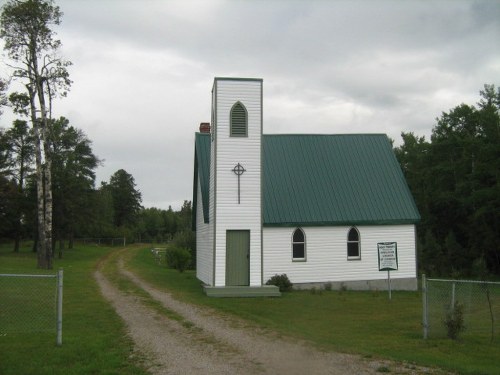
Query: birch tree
[
  {"x": 3, "y": 97},
  {"x": 31, "y": 44}
]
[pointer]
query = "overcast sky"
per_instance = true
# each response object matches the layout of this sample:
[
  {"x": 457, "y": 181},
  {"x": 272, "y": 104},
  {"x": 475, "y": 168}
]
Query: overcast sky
[{"x": 143, "y": 72}]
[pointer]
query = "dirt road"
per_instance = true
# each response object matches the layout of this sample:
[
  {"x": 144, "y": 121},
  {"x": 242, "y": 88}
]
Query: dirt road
[{"x": 186, "y": 339}]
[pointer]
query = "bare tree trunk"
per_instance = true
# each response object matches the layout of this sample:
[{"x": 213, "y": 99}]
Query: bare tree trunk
[
  {"x": 41, "y": 244},
  {"x": 48, "y": 212},
  {"x": 18, "y": 223},
  {"x": 44, "y": 246},
  {"x": 61, "y": 247},
  {"x": 41, "y": 240},
  {"x": 17, "y": 239},
  {"x": 44, "y": 174},
  {"x": 47, "y": 177},
  {"x": 17, "y": 228}
]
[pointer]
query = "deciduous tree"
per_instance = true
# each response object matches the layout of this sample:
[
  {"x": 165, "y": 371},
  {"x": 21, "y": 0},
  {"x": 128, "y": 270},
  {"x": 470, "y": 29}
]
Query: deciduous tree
[{"x": 26, "y": 28}]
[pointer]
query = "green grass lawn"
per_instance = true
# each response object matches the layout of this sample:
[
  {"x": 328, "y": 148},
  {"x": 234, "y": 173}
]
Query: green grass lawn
[
  {"x": 355, "y": 322},
  {"x": 94, "y": 340}
]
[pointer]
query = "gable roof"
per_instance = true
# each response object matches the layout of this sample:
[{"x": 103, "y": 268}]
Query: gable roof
[{"x": 317, "y": 180}]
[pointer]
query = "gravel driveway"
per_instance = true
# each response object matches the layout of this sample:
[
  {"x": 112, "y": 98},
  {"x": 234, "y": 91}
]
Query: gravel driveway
[{"x": 199, "y": 340}]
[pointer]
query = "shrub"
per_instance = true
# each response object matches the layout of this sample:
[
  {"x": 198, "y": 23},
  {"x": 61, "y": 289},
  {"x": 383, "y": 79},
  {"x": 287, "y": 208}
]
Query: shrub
[
  {"x": 178, "y": 258},
  {"x": 454, "y": 321},
  {"x": 187, "y": 240},
  {"x": 281, "y": 281}
]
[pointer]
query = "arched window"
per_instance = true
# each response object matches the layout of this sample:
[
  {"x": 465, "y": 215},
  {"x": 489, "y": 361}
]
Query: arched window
[
  {"x": 238, "y": 121},
  {"x": 298, "y": 245},
  {"x": 353, "y": 244}
]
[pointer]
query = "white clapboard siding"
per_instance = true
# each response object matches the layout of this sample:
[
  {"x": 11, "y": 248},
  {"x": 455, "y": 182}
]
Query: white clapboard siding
[
  {"x": 229, "y": 151},
  {"x": 211, "y": 203},
  {"x": 326, "y": 253},
  {"x": 204, "y": 253}
]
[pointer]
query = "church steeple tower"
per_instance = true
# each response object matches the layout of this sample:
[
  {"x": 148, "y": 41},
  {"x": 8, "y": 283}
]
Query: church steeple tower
[{"x": 235, "y": 181}]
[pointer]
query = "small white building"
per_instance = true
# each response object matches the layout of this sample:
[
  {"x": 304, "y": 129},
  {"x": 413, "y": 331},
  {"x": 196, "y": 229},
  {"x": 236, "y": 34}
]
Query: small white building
[{"x": 314, "y": 207}]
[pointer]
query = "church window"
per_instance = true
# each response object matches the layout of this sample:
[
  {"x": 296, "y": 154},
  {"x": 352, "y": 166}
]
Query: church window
[
  {"x": 239, "y": 120},
  {"x": 353, "y": 244},
  {"x": 298, "y": 245}
]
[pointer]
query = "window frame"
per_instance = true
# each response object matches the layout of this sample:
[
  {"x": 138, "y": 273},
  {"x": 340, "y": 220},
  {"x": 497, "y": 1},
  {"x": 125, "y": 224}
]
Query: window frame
[
  {"x": 358, "y": 242},
  {"x": 303, "y": 243},
  {"x": 238, "y": 103}
]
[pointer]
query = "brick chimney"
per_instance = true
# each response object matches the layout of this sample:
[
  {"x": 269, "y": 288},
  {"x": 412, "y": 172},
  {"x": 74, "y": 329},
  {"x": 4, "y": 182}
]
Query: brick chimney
[{"x": 205, "y": 127}]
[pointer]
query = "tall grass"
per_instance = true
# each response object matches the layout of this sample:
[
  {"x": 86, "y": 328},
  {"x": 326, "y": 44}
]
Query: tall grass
[
  {"x": 367, "y": 323},
  {"x": 94, "y": 339}
]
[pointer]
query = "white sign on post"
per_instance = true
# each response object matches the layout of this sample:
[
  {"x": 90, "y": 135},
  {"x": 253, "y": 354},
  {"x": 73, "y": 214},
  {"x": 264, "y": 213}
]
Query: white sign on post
[
  {"x": 387, "y": 256},
  {"x": 388, "y": 260}
]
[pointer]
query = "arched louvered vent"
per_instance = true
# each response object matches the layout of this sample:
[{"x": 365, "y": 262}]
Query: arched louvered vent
[{"x": 239, "y": 120}]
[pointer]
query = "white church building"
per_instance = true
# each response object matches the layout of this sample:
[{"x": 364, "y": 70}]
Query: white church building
[{"x": 314, "y": 207}]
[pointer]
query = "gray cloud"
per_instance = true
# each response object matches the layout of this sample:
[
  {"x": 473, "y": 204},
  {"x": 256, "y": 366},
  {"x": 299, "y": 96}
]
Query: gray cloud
[{"x": 143, "y": 71}]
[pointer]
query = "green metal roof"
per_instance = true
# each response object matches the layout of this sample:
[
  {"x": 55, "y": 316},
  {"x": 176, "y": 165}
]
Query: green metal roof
[
  {"x": 333, "y": 180},
  {"x": 315, "y": 180}
]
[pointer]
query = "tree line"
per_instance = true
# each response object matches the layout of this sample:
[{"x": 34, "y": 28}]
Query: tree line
[
  {"x": 455, "y": 180},
  {"x": 80, "y": 210},
  {"x": 47, "y": 166}
]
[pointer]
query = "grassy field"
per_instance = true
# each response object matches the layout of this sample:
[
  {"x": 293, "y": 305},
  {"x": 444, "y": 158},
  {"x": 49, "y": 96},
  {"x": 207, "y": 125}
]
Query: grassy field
[
  {"x": 94, "y": 340},
  {"x": 355, "y": 322}
]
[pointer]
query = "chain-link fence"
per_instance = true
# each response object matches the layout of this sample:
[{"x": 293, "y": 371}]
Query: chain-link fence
[
  {"x": 461, "y": 308},
  {"x": 31, "y": 303},
  {"x": 101, "y": 241}
]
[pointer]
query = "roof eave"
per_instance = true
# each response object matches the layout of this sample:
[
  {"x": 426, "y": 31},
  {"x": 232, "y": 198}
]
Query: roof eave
[{"x": 343, "y": 223}]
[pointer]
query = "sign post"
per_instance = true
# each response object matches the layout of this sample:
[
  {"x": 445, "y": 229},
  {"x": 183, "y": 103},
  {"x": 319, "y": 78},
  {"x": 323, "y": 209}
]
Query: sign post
[{"x": 388, "y": 260}]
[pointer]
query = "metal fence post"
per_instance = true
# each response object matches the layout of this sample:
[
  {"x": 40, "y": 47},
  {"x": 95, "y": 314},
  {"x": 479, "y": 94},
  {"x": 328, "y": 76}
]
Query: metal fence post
[
  {"x": 59, "y": 306},
  {"x": 452, "y": 296},
  {"x": 425, "y": 321}
]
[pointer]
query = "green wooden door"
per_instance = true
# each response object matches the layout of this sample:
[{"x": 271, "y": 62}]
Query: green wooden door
[{"x": 237, "y": 257}]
